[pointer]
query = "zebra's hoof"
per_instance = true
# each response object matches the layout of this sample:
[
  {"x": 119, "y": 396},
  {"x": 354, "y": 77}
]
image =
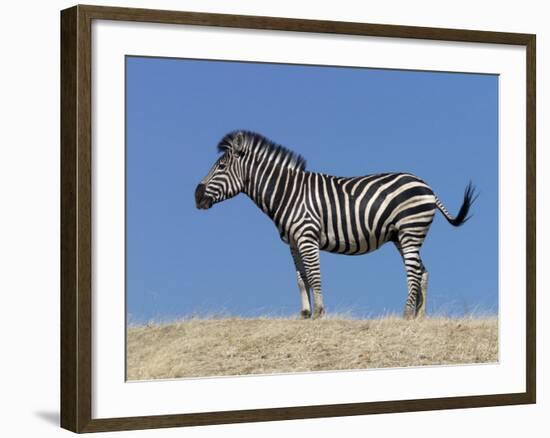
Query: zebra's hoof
[
  {"x": 408, "y": 315},
  {"x": 305, "y": 314},
  {"x": 420, "y": 314},
  {"x": 318, "y": 313}
]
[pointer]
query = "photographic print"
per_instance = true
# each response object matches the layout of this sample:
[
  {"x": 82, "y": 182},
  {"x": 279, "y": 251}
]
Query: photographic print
[
  {"x": 268, "y": 218},
  {"x": 250, "y": 186}
]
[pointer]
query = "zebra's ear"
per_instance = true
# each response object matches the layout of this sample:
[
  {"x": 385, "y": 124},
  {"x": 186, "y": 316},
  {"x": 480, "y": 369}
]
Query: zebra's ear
[{"x": 238, "y": 142}]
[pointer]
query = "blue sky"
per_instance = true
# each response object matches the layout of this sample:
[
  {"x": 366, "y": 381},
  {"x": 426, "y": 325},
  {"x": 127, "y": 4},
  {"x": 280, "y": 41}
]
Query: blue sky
[{"x": 180, "y": 261}]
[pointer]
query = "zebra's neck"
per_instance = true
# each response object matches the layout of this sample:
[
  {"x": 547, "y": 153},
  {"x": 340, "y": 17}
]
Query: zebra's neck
[{"x": 272, "y": 187}]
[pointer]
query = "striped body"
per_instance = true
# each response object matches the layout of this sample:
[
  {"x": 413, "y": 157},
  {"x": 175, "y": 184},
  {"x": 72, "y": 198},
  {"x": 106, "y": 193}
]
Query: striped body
[
  {"x": 349, "y": 216},
  {"x": 316, "y": 212}
]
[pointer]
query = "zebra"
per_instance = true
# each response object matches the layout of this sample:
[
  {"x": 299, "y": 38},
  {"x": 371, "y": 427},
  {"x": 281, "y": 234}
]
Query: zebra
[{"x": 317, "y": 212}]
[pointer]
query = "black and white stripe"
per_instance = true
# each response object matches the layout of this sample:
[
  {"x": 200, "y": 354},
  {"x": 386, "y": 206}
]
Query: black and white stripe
[{"x": 314, "y": 211}]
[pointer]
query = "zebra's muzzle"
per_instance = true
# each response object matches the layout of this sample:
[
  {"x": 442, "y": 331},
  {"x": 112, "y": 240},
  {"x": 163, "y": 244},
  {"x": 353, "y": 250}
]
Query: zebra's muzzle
[{"x": 202, "y": 201}]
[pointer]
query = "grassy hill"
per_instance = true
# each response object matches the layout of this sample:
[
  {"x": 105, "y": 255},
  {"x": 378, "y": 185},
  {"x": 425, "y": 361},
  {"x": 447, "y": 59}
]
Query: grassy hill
[{"x": 237, "y": 346}]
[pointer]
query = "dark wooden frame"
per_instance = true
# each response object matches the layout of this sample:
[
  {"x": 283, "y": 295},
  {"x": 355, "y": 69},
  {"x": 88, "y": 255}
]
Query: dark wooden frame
[{"x": 76, "y": 236}]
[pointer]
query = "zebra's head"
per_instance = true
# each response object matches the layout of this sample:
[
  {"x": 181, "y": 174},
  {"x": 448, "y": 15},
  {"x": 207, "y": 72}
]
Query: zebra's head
[{"x": 225, "y": 178}]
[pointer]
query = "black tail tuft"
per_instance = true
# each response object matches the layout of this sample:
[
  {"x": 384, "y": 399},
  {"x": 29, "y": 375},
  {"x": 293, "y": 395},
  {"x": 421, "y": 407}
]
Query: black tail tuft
[{"x": 469, "y": 197}]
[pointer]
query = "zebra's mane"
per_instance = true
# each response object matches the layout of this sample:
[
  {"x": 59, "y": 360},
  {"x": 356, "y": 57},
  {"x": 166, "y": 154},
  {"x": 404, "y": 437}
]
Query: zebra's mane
[{"x": 264, "y": 147}]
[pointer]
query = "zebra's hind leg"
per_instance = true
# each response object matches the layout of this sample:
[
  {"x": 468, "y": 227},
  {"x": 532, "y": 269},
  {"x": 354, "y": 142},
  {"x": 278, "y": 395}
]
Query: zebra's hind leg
[
  {"x": 414, "y": 279},
  {"x": 409, "y": 250},
  {"x": 422, "y": 296},
  {"x": 303, "y": 284}
]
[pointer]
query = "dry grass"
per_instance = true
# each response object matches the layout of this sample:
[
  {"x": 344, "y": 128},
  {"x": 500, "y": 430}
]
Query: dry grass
[{"x": 236, "y": 346}]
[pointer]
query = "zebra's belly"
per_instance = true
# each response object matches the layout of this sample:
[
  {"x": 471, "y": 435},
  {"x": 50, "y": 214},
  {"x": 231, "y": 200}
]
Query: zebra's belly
[{"x": 356, "y": 244}]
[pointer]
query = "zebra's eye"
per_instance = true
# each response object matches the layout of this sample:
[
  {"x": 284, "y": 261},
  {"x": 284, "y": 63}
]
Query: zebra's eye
[{"x": 221, "y": 166}]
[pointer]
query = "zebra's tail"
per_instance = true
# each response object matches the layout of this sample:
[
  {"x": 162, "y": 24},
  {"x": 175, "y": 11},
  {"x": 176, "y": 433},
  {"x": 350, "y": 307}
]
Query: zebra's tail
[{"x": 462, "y": 216}]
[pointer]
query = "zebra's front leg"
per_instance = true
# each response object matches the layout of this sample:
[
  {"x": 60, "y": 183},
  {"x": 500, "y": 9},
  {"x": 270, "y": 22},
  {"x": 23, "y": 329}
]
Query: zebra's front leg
[
  {"x": 303, "y": 284},
  {"x": 309, "y": 253}
]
